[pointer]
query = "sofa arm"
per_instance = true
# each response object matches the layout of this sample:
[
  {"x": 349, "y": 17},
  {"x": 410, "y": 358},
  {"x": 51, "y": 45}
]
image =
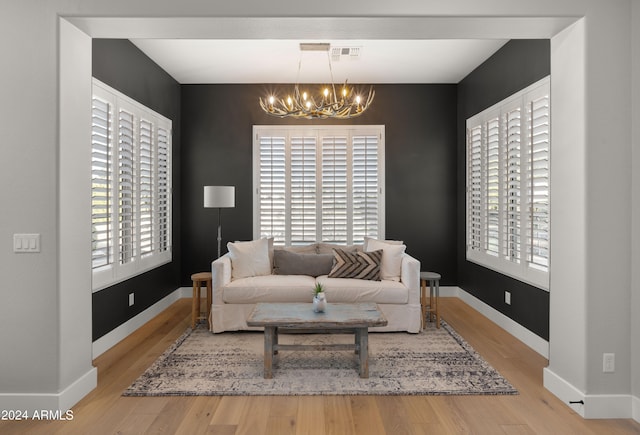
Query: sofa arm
[
  {"x": 410, "y": 277},
  {"x": 220, "y": 276}
]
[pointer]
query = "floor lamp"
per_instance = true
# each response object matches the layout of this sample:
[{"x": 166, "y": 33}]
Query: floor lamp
[{"x": 219, "y": 197}]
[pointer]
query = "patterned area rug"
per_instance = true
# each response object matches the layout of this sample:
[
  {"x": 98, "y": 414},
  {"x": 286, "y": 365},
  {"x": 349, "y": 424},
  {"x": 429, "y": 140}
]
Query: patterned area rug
[{"x": 433, "y": 362}]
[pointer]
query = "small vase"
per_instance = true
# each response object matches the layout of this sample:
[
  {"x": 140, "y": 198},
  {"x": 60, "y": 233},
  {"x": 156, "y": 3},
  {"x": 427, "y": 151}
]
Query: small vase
[{"x": 319, "y": 303}]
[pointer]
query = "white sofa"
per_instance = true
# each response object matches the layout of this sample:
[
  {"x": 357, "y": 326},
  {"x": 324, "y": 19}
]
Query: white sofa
[{"x": 233, "y": 299}]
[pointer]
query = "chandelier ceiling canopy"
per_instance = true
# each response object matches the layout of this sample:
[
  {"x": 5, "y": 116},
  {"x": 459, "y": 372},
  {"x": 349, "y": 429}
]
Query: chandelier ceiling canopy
[{"x": 329, "y": 103}]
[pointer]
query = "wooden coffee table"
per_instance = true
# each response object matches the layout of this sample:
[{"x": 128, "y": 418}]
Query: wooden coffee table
[{"x": 337, "y": 318}]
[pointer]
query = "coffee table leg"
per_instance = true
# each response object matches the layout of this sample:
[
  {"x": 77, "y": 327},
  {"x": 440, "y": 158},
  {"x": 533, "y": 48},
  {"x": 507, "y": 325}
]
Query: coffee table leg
[
  {"x": 269, "y": 333},
  {"x": 363, "y": 341},
  {"x": 276, "y": 331}
]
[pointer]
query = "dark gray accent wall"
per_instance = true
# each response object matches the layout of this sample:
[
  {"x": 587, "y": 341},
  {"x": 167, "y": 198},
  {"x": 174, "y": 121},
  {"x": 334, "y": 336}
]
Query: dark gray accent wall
[
  {"x": 121, "y": 65},
  {"x": 515, "y": 66},
  {"x": 421, "y": 164}
]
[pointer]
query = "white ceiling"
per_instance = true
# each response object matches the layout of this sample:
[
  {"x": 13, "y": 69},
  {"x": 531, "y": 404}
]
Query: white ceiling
[{"x": 193, "y": 61}]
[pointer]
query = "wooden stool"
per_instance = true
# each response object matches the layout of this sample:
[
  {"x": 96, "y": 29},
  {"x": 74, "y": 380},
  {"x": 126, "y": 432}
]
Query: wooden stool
[
  {"x": 430, "y": 309},
  {"x": 198, "y": 280}
]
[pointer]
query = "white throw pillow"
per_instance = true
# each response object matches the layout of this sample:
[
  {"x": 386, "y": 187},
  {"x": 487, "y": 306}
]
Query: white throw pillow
[
  {"x": 249, "y": 258},
  {"x": 391, "y": 242},
  {"x": 392, "y": 252}
]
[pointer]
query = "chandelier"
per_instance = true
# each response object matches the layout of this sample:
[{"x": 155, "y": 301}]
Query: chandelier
[{"x": 348, "y": 103}]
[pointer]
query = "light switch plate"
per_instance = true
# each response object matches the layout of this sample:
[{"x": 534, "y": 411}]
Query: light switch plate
[{"x": 26, "y": 243}]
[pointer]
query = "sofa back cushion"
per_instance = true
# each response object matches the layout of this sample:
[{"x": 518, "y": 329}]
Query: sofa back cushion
[
  {"x": 327, "y": 248},
  {"x": 286, "y": 262}
]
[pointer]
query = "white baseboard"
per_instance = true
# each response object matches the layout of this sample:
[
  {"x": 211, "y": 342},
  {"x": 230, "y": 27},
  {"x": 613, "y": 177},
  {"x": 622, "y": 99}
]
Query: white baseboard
[
  {"x": 608, "y": 406},
  {"x": 449, "y": 292},
  {"x": 51, "y": 402},
  {"x": 564, "y": 391},
  {"x": 112, "y": 338},
  {"x": 594, "y": 406},
  {"x": 535, "y": 342}
]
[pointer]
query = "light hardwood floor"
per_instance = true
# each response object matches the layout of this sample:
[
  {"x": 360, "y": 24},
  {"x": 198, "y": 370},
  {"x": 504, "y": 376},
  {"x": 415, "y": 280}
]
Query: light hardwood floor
[{"x": 533, "y": 411}]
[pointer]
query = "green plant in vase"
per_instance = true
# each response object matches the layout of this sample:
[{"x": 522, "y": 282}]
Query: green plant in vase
[
  {"x": 319, "y": 298},
  {"x": 318, "y": 289}
]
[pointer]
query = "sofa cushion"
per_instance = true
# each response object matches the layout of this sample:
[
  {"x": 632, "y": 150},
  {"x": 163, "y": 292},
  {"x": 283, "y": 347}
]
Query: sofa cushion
[
  {"x": 391, "y": 242},
  {"x": 300, "y": 249},
  {"x": 291, "y": 263},
  {"x": 349, "y": 290},
  {"x": 249, "y": 258},
  {"x": 392, "y": 252},
  {"x": 327, "y": 248},
  {"x": 360, "y": 265},
  {"x": 269, "y": 288}
]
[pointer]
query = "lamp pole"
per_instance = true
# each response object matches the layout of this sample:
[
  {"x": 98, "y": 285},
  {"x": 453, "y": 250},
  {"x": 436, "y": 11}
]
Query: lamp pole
[{"x": 219, "y": 231}]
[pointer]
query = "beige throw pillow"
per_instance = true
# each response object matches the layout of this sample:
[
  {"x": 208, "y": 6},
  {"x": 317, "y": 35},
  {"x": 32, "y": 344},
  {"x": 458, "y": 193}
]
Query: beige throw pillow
[
  {"x": 392, "y": 252},
  {"x": 249, "y": 258}
]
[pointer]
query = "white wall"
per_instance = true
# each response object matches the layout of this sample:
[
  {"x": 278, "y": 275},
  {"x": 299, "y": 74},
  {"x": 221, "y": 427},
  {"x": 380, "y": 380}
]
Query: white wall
[
  {"x": 591, "y": 214},
  {"x": 635, "y": 282},
  {"x": 29, "y": 297},
  {"x": 609, "y": 216},
  {"x": 40, "y": 300},
  {"x": 568, "y": 299}
]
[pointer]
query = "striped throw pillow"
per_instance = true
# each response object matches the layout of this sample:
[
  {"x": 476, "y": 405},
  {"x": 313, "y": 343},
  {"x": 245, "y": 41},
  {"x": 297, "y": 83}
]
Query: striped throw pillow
[{"x": 360, "y": 265}]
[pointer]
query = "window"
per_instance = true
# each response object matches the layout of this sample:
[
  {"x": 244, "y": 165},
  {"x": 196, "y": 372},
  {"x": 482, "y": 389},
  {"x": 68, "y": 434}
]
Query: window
[
  {"x": 322, "y": 184},
  {"x": 508, "y": 148},
  {"x": 130, "y": 187}
]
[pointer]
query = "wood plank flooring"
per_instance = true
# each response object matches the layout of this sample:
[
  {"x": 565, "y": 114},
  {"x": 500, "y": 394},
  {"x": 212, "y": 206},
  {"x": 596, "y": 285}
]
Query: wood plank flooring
[{"x": 533, "y": 411}]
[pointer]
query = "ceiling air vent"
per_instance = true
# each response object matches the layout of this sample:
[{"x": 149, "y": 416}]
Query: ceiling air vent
[{"x": 345, "y": 53}]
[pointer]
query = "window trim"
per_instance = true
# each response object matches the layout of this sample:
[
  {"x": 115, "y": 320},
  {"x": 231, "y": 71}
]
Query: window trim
[
  {"x": 503, "y": 261},
  {"x": 288, "y": 131},
  {"x": 161, "y": 214}
]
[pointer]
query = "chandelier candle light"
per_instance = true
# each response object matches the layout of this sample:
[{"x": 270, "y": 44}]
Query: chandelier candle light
[{"x": 329, "y": 104}]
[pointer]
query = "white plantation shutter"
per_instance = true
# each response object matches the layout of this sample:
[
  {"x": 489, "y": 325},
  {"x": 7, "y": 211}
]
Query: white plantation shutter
[
  {"x": 163, "y": 192},
  {"x": 538, "y": 182},
  {"x": 146, "y": 181},
  {"x": 474, "y": 170},
  {"x": 318, "y": 185},
  {"x": 130, "y": 187},
  {"x": 508, "y": 148},
  {"x": 492, "y": 190},
  {"x": 272, "y": 188},
  {"x": 335, "y": 196},
  {"x": 302, "y": 176},
  {"x": 365, "y": 187},
  {"x": 512, "y": 127},
  {"x": 101, "y": 182},
  {"x": 126, "y": 187}
]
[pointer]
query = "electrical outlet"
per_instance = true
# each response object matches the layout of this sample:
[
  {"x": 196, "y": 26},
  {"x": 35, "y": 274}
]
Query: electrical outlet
[
  {"x": 507, "y": 298},
  {"x": 131, "y": 299},
  {"x": 608, "y": 362}
]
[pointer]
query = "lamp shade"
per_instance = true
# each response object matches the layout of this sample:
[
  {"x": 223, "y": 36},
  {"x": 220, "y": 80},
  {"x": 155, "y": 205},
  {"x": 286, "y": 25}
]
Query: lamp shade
[{"x": 219, "y": 196}]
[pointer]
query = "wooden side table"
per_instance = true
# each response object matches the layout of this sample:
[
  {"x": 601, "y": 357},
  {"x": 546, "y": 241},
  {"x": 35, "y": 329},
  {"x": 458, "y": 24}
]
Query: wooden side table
[
  {"x": 198, "y": 280},
  {"x": 430, "y": 308}
]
